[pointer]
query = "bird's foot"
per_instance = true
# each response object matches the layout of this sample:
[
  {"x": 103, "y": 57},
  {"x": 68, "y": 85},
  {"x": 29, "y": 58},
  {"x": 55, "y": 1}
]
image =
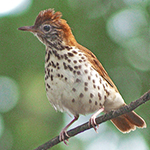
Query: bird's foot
[
  {"x": 92, "y": 122},
  {"x": 62, "y": 135}
]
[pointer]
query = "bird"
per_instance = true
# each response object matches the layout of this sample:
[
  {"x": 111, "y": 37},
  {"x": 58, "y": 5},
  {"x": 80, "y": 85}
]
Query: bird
[{"x": 75, "y": 80}]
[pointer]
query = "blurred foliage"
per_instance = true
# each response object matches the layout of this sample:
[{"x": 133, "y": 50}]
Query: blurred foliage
[{"x": 117, "y": 32}]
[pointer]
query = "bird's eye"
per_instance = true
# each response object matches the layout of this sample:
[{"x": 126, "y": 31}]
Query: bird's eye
[{"x": 46, "y": 28}]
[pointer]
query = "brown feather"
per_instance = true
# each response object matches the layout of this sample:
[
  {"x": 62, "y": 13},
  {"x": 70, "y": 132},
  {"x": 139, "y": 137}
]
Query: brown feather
[
  {"x": 47, "y": 15},
  {"x": 128, "y": 122},
  {"x": 97, "y": 65}
]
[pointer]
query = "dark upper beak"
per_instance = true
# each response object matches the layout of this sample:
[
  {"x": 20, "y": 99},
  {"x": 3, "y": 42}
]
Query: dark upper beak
[{"x": 27, "y": 28}]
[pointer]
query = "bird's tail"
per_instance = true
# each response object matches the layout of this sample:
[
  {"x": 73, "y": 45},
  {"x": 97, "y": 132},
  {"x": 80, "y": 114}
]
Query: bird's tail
[{"x": 128, "y": 122}]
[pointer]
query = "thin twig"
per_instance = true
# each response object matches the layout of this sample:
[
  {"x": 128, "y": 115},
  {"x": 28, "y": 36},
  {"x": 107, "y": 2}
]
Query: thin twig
[{"x": 108, "y": 116}]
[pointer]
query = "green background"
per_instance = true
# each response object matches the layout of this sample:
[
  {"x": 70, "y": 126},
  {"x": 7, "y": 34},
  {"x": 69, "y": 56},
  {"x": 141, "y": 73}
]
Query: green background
[{"x": 126, "y": 57}]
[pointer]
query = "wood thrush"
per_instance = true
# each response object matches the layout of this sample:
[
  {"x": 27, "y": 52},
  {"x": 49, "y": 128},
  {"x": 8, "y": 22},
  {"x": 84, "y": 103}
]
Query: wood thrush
[{"x": 75, "y": 80}]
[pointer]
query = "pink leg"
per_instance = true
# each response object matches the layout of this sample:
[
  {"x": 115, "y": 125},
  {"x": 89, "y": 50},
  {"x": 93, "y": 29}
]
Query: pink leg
[
  {"x": 92, "y": 120},
  {"x": 64, "y": 130}
]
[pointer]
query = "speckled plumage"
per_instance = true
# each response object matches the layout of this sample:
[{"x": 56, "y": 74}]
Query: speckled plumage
[
  {"x": 73, "y": 85},
  {"x": 75, "y": 80}
]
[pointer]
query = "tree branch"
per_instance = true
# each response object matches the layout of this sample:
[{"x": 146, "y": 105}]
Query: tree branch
[{"x": 108, "y": 116}]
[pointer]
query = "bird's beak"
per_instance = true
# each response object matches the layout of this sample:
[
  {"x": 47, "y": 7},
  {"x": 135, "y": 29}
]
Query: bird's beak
[{"x": 28, "y": 28}]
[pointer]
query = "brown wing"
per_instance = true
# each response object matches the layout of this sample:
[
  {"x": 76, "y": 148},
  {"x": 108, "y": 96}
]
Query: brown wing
[{"x": 97, "y": 65}]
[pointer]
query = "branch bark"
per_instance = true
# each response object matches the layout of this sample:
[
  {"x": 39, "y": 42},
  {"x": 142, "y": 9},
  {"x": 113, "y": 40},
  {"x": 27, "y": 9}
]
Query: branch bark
[{"x": 108, "y": 116}]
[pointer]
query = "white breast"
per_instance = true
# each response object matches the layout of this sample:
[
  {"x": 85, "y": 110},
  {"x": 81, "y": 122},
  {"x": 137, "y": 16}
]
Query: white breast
[{"x": 73, "y": 86}]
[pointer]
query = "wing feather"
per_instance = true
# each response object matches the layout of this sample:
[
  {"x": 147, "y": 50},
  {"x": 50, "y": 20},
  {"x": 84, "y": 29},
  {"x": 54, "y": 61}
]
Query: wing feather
[{"x": 97, "y": 65}]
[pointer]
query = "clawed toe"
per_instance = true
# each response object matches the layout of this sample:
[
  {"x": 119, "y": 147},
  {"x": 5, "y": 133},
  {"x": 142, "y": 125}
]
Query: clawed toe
[
  {"x": 62, "y": 135},
  {"x": 92, "y": 122},
  {"x": 63, "y": 132}
]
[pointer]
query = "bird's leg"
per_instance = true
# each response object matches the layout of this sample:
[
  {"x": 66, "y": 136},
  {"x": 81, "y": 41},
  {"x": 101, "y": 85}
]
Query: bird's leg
[
  {"x": 64, "y": 130},
  {"x": 92, "y": 120}
]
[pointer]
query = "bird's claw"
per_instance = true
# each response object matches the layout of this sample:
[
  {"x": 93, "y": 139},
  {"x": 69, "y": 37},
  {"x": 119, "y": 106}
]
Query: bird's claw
[
  {"x": 92, "y": 122},
  {"x": 62, "y": 135}
]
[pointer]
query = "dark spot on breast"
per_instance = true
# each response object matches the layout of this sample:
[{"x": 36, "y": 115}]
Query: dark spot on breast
[
  {"x": 99, "y": 95},
  {"x": 70, "y": 54},
  {"x": 75, "y": 61},
  {"x": 68, "y": 47},
  {"x": 48, "y": 71},
  {"x": 93, "y": 81},
  {"x": 46, "y": 52},
  {"x": 58, "y": 75},
  {"x": 86, "y": 89},
  {"x": 73, "y": 100},
  {"x": 74, "y": 52},
  {"x": 80, "y": 60},
  {"x": 80, "y": 66},
  {"x": 107, "y": 92},
  {"x": 81, "y": 95},
  {"x": 49, "y": 64},
  {"x": 90, "y": 101},
  {"x": 46, "y": 77},
  {"x": 96, "y": 75},
  {"x": 89, "y": 78},
  {"x": 56, "y": 54},
  {"x": 95, "y": 102},
  {"x": 98, "y": 87},
  {"x": 75, "y": 67},
  {"x": 91, "y": 95},
  {"x": 78, "y": 72},
  {"x": 65, "y": 78},
  {"x": 65, "y": 66},
  {"x": 51, "y": 77},
  {"x": 78, "y": 80},
  {"x": 70, "y": 68},
  {"x": 48, "y": 56},
  {"x": 100, "y": 105},
  {"x": 94, "y": 86},
  {"x": 61, "y": 76},
  {"x": 69, "y": 60},
  {"x": 53, "y": 64},
  {"x": 86, "y": 83},
  {"x": 65, "y": 56},
  {"x": 86, "y": 65},
  {"x": 86, "y": 71},
  {"x": 48, "y": 85},
  {"x": 104, "y": 86},
  {"x": 73, "y": 89},
  {"x": 100, "y": 80}
]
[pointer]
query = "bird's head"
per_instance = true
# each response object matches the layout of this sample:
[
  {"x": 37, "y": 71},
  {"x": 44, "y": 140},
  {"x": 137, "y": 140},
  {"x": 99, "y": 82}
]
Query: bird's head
[{"x": 51, "y": 29}]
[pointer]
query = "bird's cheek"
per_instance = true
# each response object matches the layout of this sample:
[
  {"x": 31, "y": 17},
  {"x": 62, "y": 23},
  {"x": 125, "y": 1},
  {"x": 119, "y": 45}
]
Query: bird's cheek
[{"x": 53, "y": 37}]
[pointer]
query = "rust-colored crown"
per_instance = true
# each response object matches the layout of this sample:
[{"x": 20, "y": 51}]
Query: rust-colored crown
[{"x": 47, "y": 15}]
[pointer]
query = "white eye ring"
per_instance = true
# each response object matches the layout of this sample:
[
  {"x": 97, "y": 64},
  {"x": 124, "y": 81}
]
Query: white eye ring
[{"x": 46, "y": 28}]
